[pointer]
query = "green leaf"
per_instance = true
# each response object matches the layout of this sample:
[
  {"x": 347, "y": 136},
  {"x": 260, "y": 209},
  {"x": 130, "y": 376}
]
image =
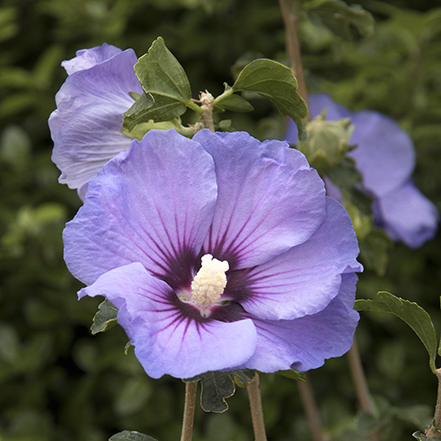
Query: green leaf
[
  {"x": 293, "y": 374},
  {"x": 415, "y": 316},
  {"x": 242, "y": 376},
  {"x": 234, "y": 103},
  {"x": 277, "y": 83},
  {"x": 130, "y": 436},
  {"x": 105, "y": 318},
  {"x": 166, "y": 87},
  {"x": 216, "y": 387},
  {"x": 341, "y": 18}
]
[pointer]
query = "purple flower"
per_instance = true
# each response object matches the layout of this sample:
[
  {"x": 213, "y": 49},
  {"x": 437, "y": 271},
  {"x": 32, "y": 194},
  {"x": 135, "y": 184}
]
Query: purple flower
[
  {"x": 385, "y": 157},
  {"x": 220, "y": 252},
  {"x": 86, "y": 127}
]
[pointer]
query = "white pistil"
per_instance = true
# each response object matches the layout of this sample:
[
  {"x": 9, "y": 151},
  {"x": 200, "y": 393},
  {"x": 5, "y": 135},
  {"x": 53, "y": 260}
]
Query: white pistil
[{"x": 210, "y": 281}]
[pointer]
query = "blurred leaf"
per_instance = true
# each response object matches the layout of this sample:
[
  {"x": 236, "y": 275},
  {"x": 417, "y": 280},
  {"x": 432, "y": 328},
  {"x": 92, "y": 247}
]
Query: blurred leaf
[
  {"x": 277, "y": 83},
  {"x": 339, "y": 17},
  {"x": 131, "y": 436},
  {"x": 9, "y": 345},
  {"x": 15, "y": 146},
  {"x": 165, "y": 81},
  {"x": 415, "y": 316},
  {"x": 293, "y": 374},
  {"x": 105, "y": 318},
  {"x": 374, "y": 250},
  {"x": 8, "y": 24},
  {"x": 346, "y": 177}
]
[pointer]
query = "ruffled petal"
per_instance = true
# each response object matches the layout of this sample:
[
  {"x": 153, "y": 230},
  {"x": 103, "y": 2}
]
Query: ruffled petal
[
  {"x": 87, "y": 58},
  {"x": 306, "y": 278},
  {"x": 407, "y": 215},
  {"x": 80, "y": 154},
  {"x": 90, "y": 103},
  {"x": 269, "y": 198},
  {"x": 166, "y": 341},
  {"x": 152, "y": 204},
  {"x": 306, "y": 342}
]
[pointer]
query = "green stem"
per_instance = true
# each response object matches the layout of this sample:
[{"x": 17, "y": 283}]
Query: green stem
[
  {"x": 189, "y": 407},
  {"x": 253, "y": 390},
  {"x": 434, "y": 431},
  {"x": 223, "y": 95},
  {"x": 193, "y": 106}
]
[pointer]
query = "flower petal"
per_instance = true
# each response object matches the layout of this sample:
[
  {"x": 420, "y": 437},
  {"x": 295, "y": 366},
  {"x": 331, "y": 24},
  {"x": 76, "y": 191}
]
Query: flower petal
[
  {"x": 152, "y": 204},
  {"x": 306, "y": 278},
  {"x": 87, "y": 58},
  {"x": 80, "y": 154},
  {"x": 306, "y": 342},
  {"x": 269, "y": 199},
  {"x": 385, "y": 154},
  {"x": 90, "y": 103},
  {"x": 407, "y": 215},
  {"x": 166, "y": 341}
]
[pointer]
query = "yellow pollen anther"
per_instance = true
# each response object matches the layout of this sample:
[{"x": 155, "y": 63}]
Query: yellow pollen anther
[{"x": 210, "y": 281}]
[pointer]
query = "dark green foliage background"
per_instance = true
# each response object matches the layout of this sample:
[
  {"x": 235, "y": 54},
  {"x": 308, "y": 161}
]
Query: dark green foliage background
[{"x": 59, "y": 382}]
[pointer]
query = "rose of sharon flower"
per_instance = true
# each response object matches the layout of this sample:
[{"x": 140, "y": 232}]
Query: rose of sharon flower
[
  {"x": 86, "y": 127},
  {"x": 220, "y": 252},
  {"x": 385, "y": 157}
]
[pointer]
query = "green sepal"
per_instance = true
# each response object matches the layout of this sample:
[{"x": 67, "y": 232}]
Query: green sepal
[
  {"x": 277, "y": 83},
  {"x": 293, "y": 374},
  {"x": 105, "y": 318},
  {"x": 411, "y": 313},
  {"x": 131, "y": 436},
  {"x": 341, "y": 18},
  {"x": 166, "y": 87}
]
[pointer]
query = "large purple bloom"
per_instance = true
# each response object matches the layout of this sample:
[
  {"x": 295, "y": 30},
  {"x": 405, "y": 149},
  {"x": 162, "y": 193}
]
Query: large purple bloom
[
  {"x": 220, "y": 252},
  {"x": 86, "y": 127},
  {"x": 385, "y": 157}
]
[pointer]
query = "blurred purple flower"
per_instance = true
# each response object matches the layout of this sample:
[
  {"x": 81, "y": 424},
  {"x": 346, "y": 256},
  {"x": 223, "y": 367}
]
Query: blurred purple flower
[
  {"x": 220, "y": 252},
  {"x": 385, "y": 157},
  {"x": 86, "y": 127}
]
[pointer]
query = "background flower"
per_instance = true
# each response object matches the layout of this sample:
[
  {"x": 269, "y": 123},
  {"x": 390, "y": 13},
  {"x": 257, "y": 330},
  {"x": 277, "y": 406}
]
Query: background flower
[
  {"x": 155, "y": 210},
  {"x": 86, "y": 127},
  {"x": 385, "y": 157}
]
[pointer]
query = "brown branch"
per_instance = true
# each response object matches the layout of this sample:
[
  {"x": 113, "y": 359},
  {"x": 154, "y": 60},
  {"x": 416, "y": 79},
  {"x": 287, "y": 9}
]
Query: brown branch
[
  {"x": 253, "y": 389},
  {"x": 189, "y": 407}
]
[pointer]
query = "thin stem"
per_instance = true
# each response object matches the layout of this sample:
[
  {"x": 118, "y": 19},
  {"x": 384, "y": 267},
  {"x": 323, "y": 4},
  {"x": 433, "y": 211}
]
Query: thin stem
[
  {"x": 189, "y": 407},
  {"x": 311, "y": 410},
  {"x": 434, "y": 431},
  {"x": 253, "y": 390},
  {"x": 359, "y": 379},
  {"x": 361, "y": 386},
  {"x": 291, "y": 22}
]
